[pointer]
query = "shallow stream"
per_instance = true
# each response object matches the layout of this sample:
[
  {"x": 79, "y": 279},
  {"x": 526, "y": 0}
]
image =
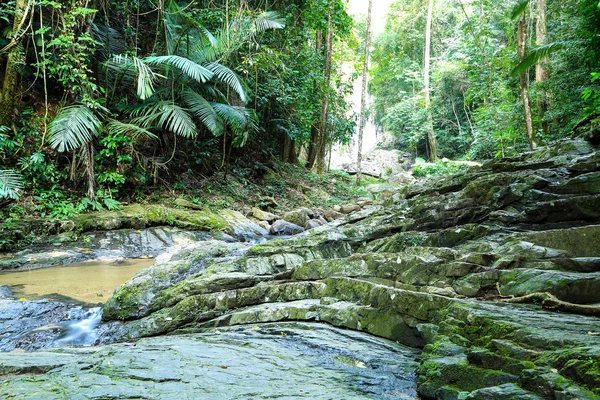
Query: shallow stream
[{"x": 86, "y": 283}]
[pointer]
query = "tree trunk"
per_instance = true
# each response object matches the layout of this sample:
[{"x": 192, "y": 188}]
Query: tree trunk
[
  {"x": 9, "y": 85},
  {"x": 313, "y": 145},
  {"x": 319, "y": 166},
  {"x": 363, "y": 94},
  {"x": 524, "y": 81},
  {"x": 541, "y": 71},
  {"x": 431, "y": 139},
  {"x": 293, "y": 156}
]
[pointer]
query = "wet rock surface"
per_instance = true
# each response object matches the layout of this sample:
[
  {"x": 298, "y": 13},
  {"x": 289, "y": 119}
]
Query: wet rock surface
[
  {"x": 287, "y": 361},
  {"x": 433, "y": 269},
  {"x": 125, "y": 243}
]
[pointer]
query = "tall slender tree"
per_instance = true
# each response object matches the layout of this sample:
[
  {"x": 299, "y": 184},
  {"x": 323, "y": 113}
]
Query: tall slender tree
[
  {"x": 363, "y": 93},
  {"x": 15, "y": 50},
  {"x": 524, "y": 79},
  {"x": 431, "y": 138},
  {"x": 541, "y": 69},
  {"x": 313, "y": 145},
  {"x": 320, "y": 161}
]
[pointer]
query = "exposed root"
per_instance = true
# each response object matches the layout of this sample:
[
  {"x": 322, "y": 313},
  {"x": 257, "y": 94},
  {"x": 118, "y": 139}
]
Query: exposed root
[{"x": 550, "y": 302}]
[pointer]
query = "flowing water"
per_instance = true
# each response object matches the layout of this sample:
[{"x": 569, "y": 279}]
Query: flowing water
[{"x": 87, "y": 283}]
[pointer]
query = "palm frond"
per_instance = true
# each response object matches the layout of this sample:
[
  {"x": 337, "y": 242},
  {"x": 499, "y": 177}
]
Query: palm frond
[
  {"x": 203, "y": 110},
  {"x": 10, "y": 184},
  {"x": 167, "y": 116},
  {"x": 209, "y": 36},
  {"x": 73, "y": 127},
  {"x": 518, "y": 8},
  {"x": 135, "y": 69},
  {"x": 539, "y": 53},
  {"x": 229, "y": 77},
  {"x": 241, "y": 120},
  {"x": 195, "y": 71},
  {"x": 268, "y": 20},
  {"x": 112, "y": 41},
  {"x": 132, "y": 130}
]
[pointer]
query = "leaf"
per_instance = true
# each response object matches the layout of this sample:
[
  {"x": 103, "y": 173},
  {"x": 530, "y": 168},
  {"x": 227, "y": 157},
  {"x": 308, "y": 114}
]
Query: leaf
[
  {"x": 134, "y": 131},
  {"x": 269, "y": 20},
  {"x": 241, "y": 120},
  {"x": 111, "y": 204},
  {"x": 134, "y": 69},
  {"x": 167, "y": 116},
  {"x": 73, "y": 127},
  {"x": 185, "y": 65},
  {"x": 229, "y": 77},
  {"x": 519, "y": 8},
  {"x": 10, "y": 184},
  {"x": 539, "y": 53},
  {"x": 202, "y": 109}
]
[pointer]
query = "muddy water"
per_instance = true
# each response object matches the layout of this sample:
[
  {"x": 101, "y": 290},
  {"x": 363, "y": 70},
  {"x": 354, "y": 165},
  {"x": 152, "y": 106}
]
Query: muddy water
[{"x": 90, "y": 282}]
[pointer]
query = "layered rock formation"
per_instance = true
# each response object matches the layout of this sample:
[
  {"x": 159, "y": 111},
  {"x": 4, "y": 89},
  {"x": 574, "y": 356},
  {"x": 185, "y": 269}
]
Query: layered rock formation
[{"x": 438, "y": 267}]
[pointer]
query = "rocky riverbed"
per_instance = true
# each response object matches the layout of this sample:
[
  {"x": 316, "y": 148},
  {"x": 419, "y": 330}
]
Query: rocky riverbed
[{"x": 438, "y": 266}]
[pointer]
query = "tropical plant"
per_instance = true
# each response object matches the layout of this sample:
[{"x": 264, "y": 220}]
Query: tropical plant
[
  {"x": 10, "y": 184},
  {"x": 173, "y": 92}
]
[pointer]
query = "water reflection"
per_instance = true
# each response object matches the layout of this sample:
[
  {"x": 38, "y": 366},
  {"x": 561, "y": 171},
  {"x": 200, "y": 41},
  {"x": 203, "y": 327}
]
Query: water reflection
[{"x": 91, "y": 282}]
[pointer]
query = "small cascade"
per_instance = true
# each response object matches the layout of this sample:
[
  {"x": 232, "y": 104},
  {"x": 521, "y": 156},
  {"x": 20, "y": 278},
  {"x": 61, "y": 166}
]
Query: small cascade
[{"x": 82, "y": 332}]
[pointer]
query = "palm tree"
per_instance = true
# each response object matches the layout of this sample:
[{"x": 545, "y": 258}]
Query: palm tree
[{"x": 173, "y": 92}]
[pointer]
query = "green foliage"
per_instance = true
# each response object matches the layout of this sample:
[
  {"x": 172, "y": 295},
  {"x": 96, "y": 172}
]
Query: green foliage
[
  {"x": 439, "y": 168},
  {"x": 10, "y": 184},
  {"x": 73, "y": 127},
  {"x": 69, "y": 51},
  {"x": 476, "y": 104},
  {"x": 592, "y": 95}
]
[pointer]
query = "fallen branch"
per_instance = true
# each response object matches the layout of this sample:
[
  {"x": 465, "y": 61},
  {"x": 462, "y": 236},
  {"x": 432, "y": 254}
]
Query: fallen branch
[{"x": 550, "y": 302}]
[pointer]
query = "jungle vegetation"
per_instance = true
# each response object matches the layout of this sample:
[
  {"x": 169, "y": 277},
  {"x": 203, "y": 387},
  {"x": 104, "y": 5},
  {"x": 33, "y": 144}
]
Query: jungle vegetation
[{"x": 103, "y": 101}]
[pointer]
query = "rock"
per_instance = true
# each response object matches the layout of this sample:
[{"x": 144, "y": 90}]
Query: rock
[
  {"x": 379, "y": 163},
  {"x": 430, "y": 269},
  {"x": 125, "y": 243},
  {"x": 135, "y": 298},
  {"x": 187, "y": 204},
  {"x": 329, "y": 214},
  {"x": 265, "y": 225},
  {"x": 350, "y": 208},
  {"x": 241, "y": 226},
  {"x": 264, "y": 215},
  {"x": 507, "y": 391},
  {"x": 201, "y": 365},
  {"x": 298, "y": 217},
  {"x": 281, "y": 227},
  {"x": 312, "y": 224},
  {"x": 337, "y": 208},
  {"x": 364, "y": 201},
  {"x": 401, "y": 179},
  {"x": 382, "y": 189}
]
